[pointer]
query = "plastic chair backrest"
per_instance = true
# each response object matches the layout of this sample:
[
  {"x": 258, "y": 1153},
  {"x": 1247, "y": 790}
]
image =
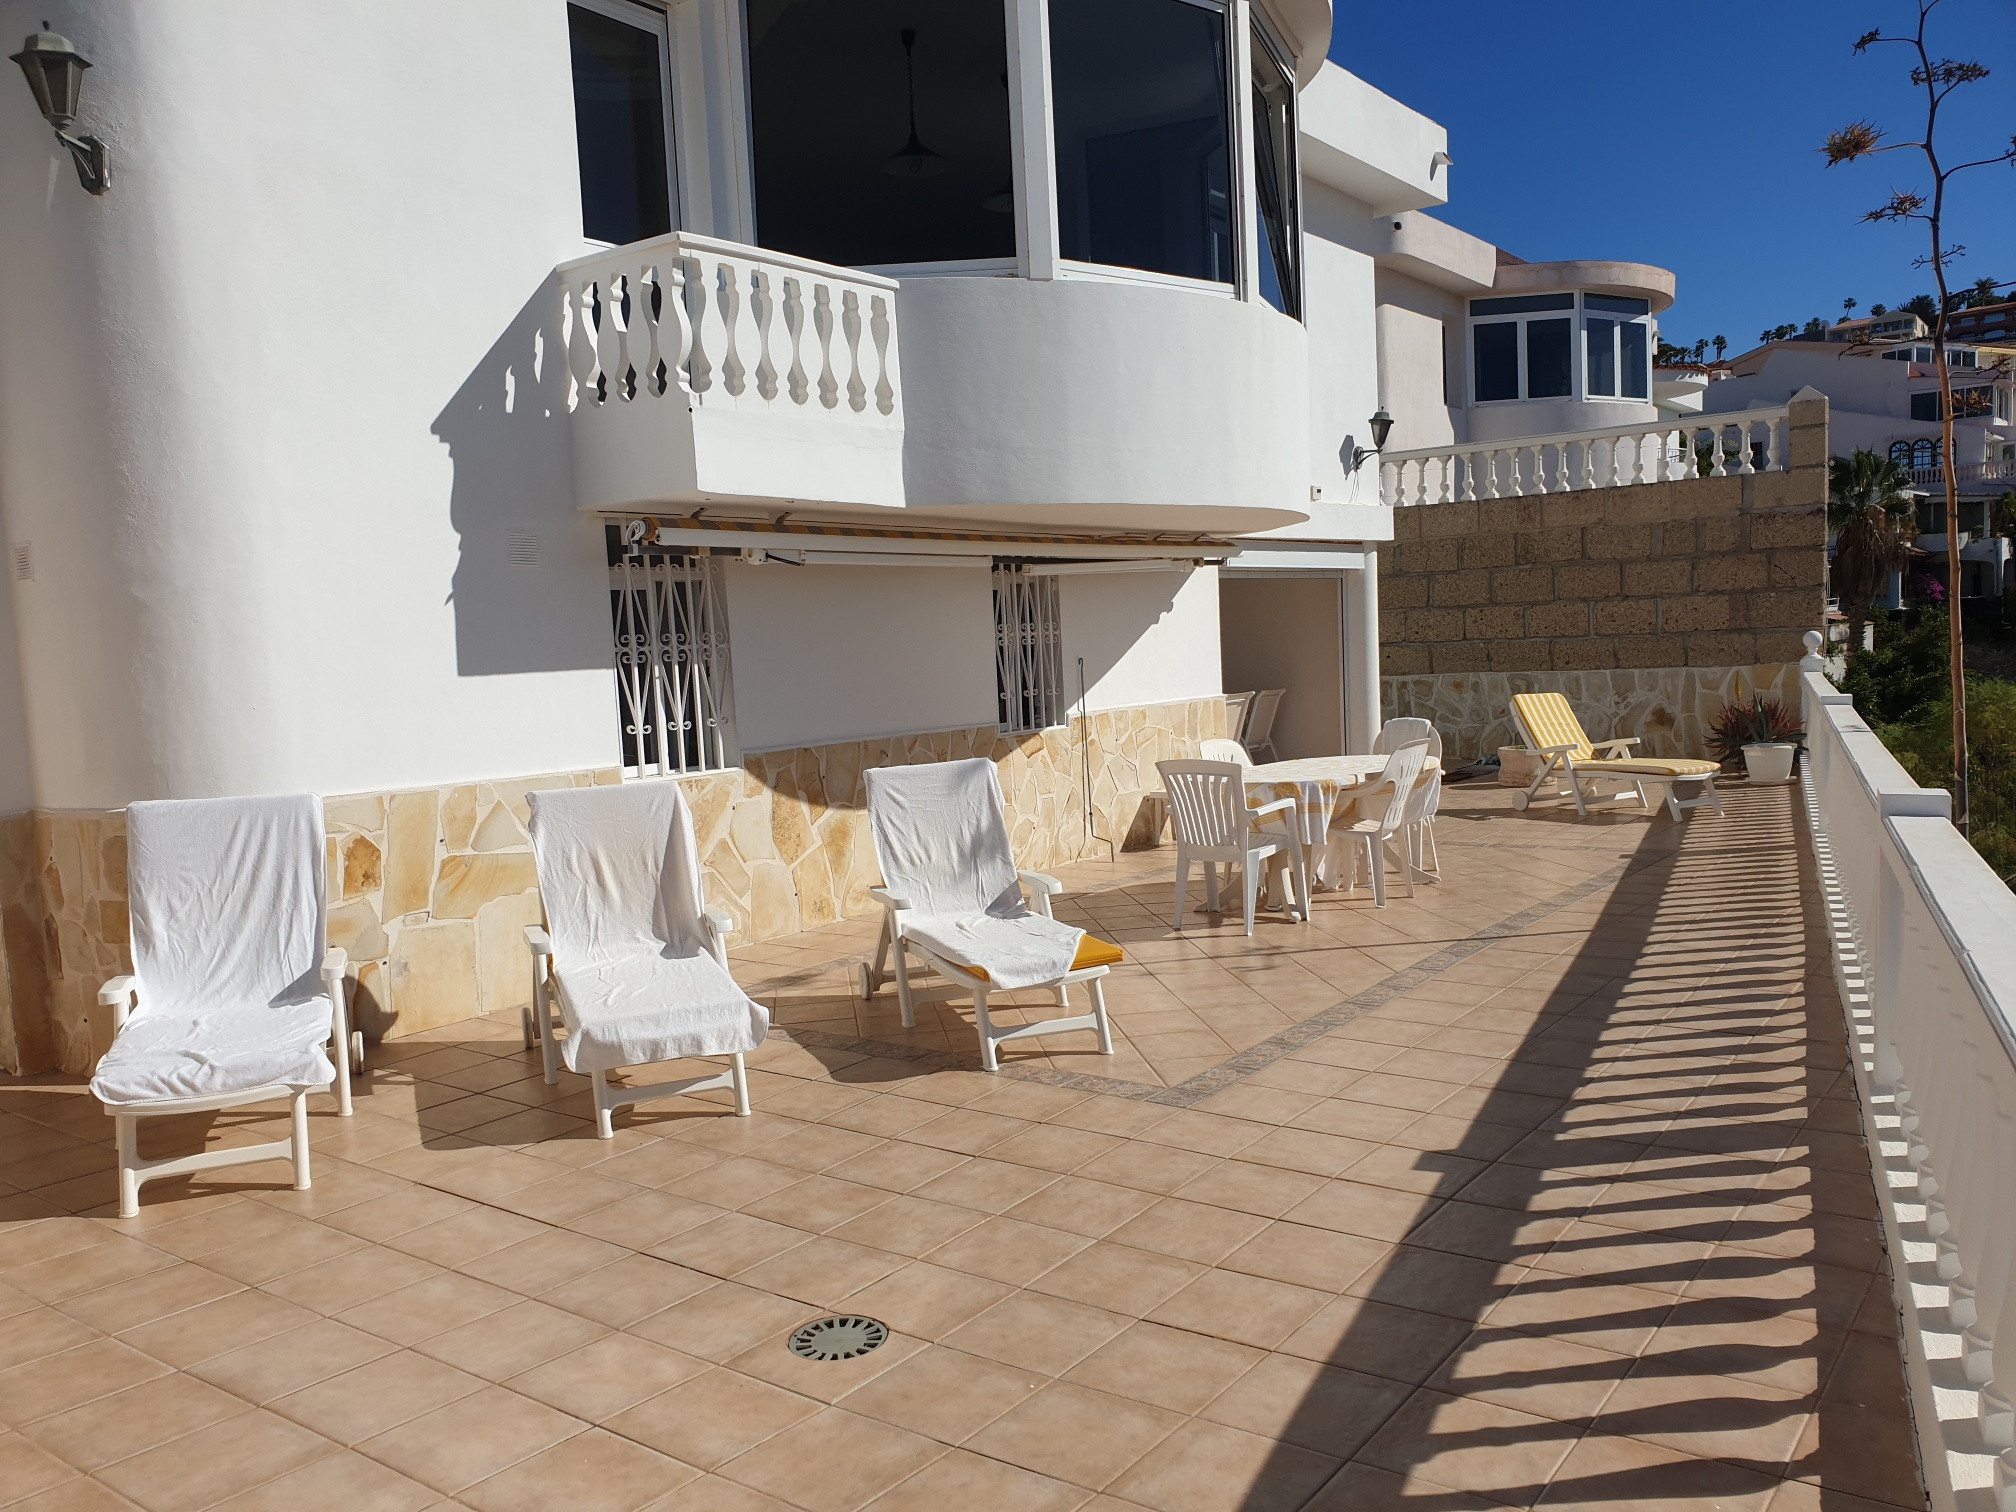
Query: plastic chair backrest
[
  {"x": 1398, "y": 732},
  {"x": 1403, "y": 771},
  {"x": 1237, "y": 707},
  {"x": 1422, "y": 796},
  {"x": 1224, "y": 750},
  {"x": 1260, "y": 722},
  {"x": 619, "y": 871},
  {"x": 1546, "y": 720},
  {"x": 941, "y": 836},
  {"x": 1207, "y": 801}
]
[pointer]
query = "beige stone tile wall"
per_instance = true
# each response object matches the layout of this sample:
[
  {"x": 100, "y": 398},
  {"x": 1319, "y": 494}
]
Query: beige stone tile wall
[
  {"x": 1646, "y": 604},
  {"x": 430, "y": 890}
]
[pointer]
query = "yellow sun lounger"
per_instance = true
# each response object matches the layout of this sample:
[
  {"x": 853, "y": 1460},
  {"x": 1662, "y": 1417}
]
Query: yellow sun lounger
[{"x": 1552, "y": 730}]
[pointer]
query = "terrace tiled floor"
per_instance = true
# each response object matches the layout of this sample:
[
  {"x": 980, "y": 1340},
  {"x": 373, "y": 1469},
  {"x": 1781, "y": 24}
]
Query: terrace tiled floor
[{"x": 1545, "y": 1188}]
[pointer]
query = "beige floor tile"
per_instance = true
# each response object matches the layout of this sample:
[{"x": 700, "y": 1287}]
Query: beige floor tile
[
  {"x": 471, "y": 1439},
  {"x": 214, "y": 1463},
  {"x": 59, "y": 1382},
  {"x": 1045, "y": 1334},
  {"x": 1072, "y": 1433},
  {"x": 1081, "y": 1205},
  {"x": 344, "y": 1479},
  {"x": 627, "y": 1291},
  {"x": 416, "y": 1313},
  {"x": 1008, "y": 1250},
  {"x": 131, "y": 1421},
  {"x": 1207, "y": 1467},
  {"x": 1245, "y": 1309},
  {"x": 959, "y": 1479},
  {"x": 1711, "y": 1417},
  {"x": 1247, "y": 1187},
  {"x": 512, "y": 1340},
  {"x": 835, "y": 1461},
  {"x": 1121, "y": 1280},
  {"x": 39, "y": 1332},
  {"x": 1165, "y": 1367},
  {"x": 601, "y": 1379},
  {"x": 820, "y": 1271},
  {"x": 290, "y": 1361},
  {"x": 721, "y": 1322},
  {"x": 711, "y": 1418},
  {"x": 144, "y": 1299},
  {"x": 1394, "y": 1342},
  {"x": 944, "y": 1394},
  {"x": 378, "y": 1396},
  {"x": 1470, "y": 1445},
  {"x": 1605, "y": 1471},
  {"x": 590, "y": 1472},
  {"x": 1323, "y": 1408},
  {"x": 231, "y": 1322},
  {"x": 927, "y": 1300}
]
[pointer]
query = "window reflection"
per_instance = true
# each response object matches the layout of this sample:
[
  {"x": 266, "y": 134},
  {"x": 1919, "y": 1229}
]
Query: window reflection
[
  {"x": 847, "y": 170},
  {"x": 1142, "y": 123},
  {"x": 1550, "y": 359},
  {"x": 619, "y": 124},
  {"x": 1274, "y": 179}
]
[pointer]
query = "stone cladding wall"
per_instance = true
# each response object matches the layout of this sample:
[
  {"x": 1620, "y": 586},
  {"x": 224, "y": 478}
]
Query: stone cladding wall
[
  {"x": 430, "y": 890},
  {"x": 1648, "y": 605}
]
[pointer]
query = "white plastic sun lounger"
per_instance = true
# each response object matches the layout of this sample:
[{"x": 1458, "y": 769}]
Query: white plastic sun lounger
[
  {"x": 952, "y": 896},
  {"x": 636, "y": 966},
  {"x": 234, "y": 998}
]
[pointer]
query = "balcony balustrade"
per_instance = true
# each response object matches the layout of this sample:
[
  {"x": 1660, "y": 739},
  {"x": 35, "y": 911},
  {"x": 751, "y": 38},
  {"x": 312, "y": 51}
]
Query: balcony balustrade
[
  {"x": 2002, "y": 471},
  {"x": 1925, "y": 953},
  {"x": 1753, "y": 441},
  {"x": 699, "y": 370}
]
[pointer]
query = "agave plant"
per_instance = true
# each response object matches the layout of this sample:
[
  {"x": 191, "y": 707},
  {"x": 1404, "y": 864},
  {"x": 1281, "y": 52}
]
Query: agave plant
[{"x": 1756, "y": 720}]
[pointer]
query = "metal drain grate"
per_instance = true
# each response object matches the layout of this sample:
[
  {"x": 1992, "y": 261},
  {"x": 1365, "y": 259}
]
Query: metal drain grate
[{"x": 839, "y": 1338}]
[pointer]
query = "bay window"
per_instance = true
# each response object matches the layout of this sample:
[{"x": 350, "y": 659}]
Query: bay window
[
  {"x": 1143, "y": 129},
  {"x": 1524, "y": 346}
]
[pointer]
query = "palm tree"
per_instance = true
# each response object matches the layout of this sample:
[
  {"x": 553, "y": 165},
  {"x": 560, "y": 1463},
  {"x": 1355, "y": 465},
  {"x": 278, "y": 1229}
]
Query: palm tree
[{"x": 1872, "y": 514}]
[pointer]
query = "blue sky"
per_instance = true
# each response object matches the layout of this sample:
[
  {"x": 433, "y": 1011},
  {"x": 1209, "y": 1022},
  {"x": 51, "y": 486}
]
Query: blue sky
[{"x": 1686, "y": 137}]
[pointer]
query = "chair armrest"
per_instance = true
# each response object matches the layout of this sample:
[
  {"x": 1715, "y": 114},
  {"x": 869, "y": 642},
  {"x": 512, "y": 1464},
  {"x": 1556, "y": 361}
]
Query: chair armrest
[
  {"x": 537, "y": 940},
  {"x": 1271, "y": 808},
  {"x": 720, "y": 923},
  {"x": 1041, "y": 882},
  {"x": 118, "y": 995},
  {"x": 335, "y": 962},
  {"x": 1615, "y": 745},
  {"x": 888, "y": 899}
]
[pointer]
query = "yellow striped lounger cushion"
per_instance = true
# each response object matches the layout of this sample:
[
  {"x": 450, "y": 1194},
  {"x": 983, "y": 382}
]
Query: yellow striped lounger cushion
[{"x": 1549, "y": 721}]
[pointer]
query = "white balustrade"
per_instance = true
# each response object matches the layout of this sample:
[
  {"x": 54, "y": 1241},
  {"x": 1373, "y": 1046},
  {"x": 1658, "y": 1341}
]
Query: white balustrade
[
  {"x": 710, "y": 321},
  {"x": 1925, "y": 955},
  {"x": 722, "y": 336},
  {"x": 1721, "y": 446}
]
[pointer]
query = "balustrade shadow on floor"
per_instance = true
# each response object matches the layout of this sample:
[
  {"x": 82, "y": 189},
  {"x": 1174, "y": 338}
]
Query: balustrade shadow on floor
[{"x": 1645, "y": 1269}]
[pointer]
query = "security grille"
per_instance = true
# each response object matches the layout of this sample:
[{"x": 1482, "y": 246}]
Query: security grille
[
  {"x": 672, "y": 683},
  {"x": 1028, "y": 649}
]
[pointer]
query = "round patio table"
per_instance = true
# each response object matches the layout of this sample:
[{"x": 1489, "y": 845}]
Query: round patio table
[{"x": 1323, "y": 787}]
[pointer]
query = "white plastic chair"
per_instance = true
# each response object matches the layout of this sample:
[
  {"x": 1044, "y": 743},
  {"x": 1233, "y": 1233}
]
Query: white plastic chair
[
  {"x": 1392, "y": 735},
  {"x": 1398, "y": 732},
  {"x": 1224, "y": 750},
  {"x": 636, "y": 965},
  {"x": 951, "y": 895},
  {"x": 235, "y": 997},
  {"x": 1259, "y": 733},
  {"x": 1405, "y": 796},
  {"x": 1238, "y": 706},
  {"x": 1207, "y": 804}
]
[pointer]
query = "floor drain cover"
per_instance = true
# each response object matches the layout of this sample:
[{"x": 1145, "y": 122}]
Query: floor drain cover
[{"x": 838, "y": 1338}]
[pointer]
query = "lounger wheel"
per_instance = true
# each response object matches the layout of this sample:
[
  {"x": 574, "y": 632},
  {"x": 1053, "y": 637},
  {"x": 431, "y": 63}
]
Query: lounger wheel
[
  {"x": 867, "y": 980},
  {"x": 357, "y": 1049},
  {"x": 1520, "y": 800},
  {"x": 525, "y": 1024}
]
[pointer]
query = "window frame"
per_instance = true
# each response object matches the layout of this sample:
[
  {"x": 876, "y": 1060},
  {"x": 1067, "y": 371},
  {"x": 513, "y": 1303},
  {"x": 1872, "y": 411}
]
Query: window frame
[
  {"x": 657, "y": 20},
  {"x": 1579, "y": 313},
  {"x": 1262, "y": 34}
]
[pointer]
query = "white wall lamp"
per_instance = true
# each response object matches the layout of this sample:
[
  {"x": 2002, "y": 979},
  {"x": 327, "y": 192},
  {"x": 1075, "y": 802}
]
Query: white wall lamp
[
  {"x": 55, "y": 72},
  {"x": 1381, "y": 426}
]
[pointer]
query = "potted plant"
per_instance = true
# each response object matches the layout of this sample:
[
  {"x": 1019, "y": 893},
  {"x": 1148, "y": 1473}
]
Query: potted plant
[{"x": 1763, "y": 732}]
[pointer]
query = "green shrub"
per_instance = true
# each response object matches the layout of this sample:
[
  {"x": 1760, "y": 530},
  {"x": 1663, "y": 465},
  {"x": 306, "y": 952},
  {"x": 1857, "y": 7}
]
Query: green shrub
[
  {"x": 1923, "y": 743},
  {"x": 1907, "y": 671}
]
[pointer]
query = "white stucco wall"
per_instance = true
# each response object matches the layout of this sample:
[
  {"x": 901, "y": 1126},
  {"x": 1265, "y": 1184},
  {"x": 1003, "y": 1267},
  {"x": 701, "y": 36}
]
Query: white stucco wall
[
  {"x": 246, "y": 416},
  {"x": 1147, "y": 637},
  {"x": 824, "y": 654},
  {"x": 1420, "y": 348}
]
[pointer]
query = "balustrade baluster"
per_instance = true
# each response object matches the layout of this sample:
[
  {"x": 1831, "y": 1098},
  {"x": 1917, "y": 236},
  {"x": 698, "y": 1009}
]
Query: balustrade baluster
[
  {"x": 850, "y": 327},
  {"x": 699, "y": 366},
  {"x": 734, "y": 376},
  {"x": 1389, "y": 483},
  {"x": 882, "y": 331},
  {"x": 1716, "y": 447},
  {"x": 763, "y": 305},
  {"x": 672, "y": 306},
  {"x": 1744, "y": 466},
  {"x": 1468, "y": 460},
  {"x": 796, "y": 384},
  {"x": 1588, "y": 469},
  {"x": 583, "y": 386},
  {"x": 1491, "y": 472},
  {"x": 1774, "y": 441},
  {"x": 645, "y": 307},
  {"x": 822, "y": 326},
  {"x": 617, "y": 378},
  {"x": 1638, "y": 457}
]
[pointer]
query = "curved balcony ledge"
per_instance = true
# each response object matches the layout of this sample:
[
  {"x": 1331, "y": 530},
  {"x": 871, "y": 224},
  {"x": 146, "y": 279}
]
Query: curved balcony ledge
[
  {"x": 1104, "y": 404},
  {"x": 701, "y": 371}
]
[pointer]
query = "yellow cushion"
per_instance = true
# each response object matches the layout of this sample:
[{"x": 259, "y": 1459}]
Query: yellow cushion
[
  {"x": 1548, "y": 721},
  {"x": 1092, "y": 951},
  {"x": 1649, "y": 766}
]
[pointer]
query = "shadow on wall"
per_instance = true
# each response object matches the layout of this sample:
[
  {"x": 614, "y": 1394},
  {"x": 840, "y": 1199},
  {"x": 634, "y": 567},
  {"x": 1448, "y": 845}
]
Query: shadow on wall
[
  {"x": 1642, "y": 1264},
  {"x": 531, "y": 587}
]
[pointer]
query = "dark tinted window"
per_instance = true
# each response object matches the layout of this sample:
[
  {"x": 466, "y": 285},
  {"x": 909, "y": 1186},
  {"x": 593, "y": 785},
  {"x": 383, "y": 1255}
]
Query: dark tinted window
[
  {"x": 1635, "y": 362},
  {"x": 619, "y": 128},
  {"x": 1616, "y": 306},
  {"x": 1550, "y": 372},
  {"x": 1497, "y": 361},
  {"x": 846, "y": 170},
  {"x": 1521, "y": 304},
  {"x": 1600, "y": 374},
  {"x": 1925, "y": 406},
  {"x": 1274, "y": 180},
  {"x": 1143, "y": 178}
]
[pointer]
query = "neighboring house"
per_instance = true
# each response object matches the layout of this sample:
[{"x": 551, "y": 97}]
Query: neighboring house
[
  {"x": 509, "y": 392},
  {"x": 1884, "y": 397}
]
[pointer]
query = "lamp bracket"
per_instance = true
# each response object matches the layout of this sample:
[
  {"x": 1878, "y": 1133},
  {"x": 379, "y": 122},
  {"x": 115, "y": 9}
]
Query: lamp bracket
[{"x": 94, "y": 172}]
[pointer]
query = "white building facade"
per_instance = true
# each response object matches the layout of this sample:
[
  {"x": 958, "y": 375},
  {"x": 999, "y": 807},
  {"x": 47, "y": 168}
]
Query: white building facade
[{"x": 482, "y": 394}]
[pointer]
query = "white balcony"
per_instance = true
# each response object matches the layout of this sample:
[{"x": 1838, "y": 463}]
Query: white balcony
[{"x": 701, "y": 371}]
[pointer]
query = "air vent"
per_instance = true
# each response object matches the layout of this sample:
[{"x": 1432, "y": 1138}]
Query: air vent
[
  {"x": 24, "y": 562},
  {"x": 522, "y": 550}
]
